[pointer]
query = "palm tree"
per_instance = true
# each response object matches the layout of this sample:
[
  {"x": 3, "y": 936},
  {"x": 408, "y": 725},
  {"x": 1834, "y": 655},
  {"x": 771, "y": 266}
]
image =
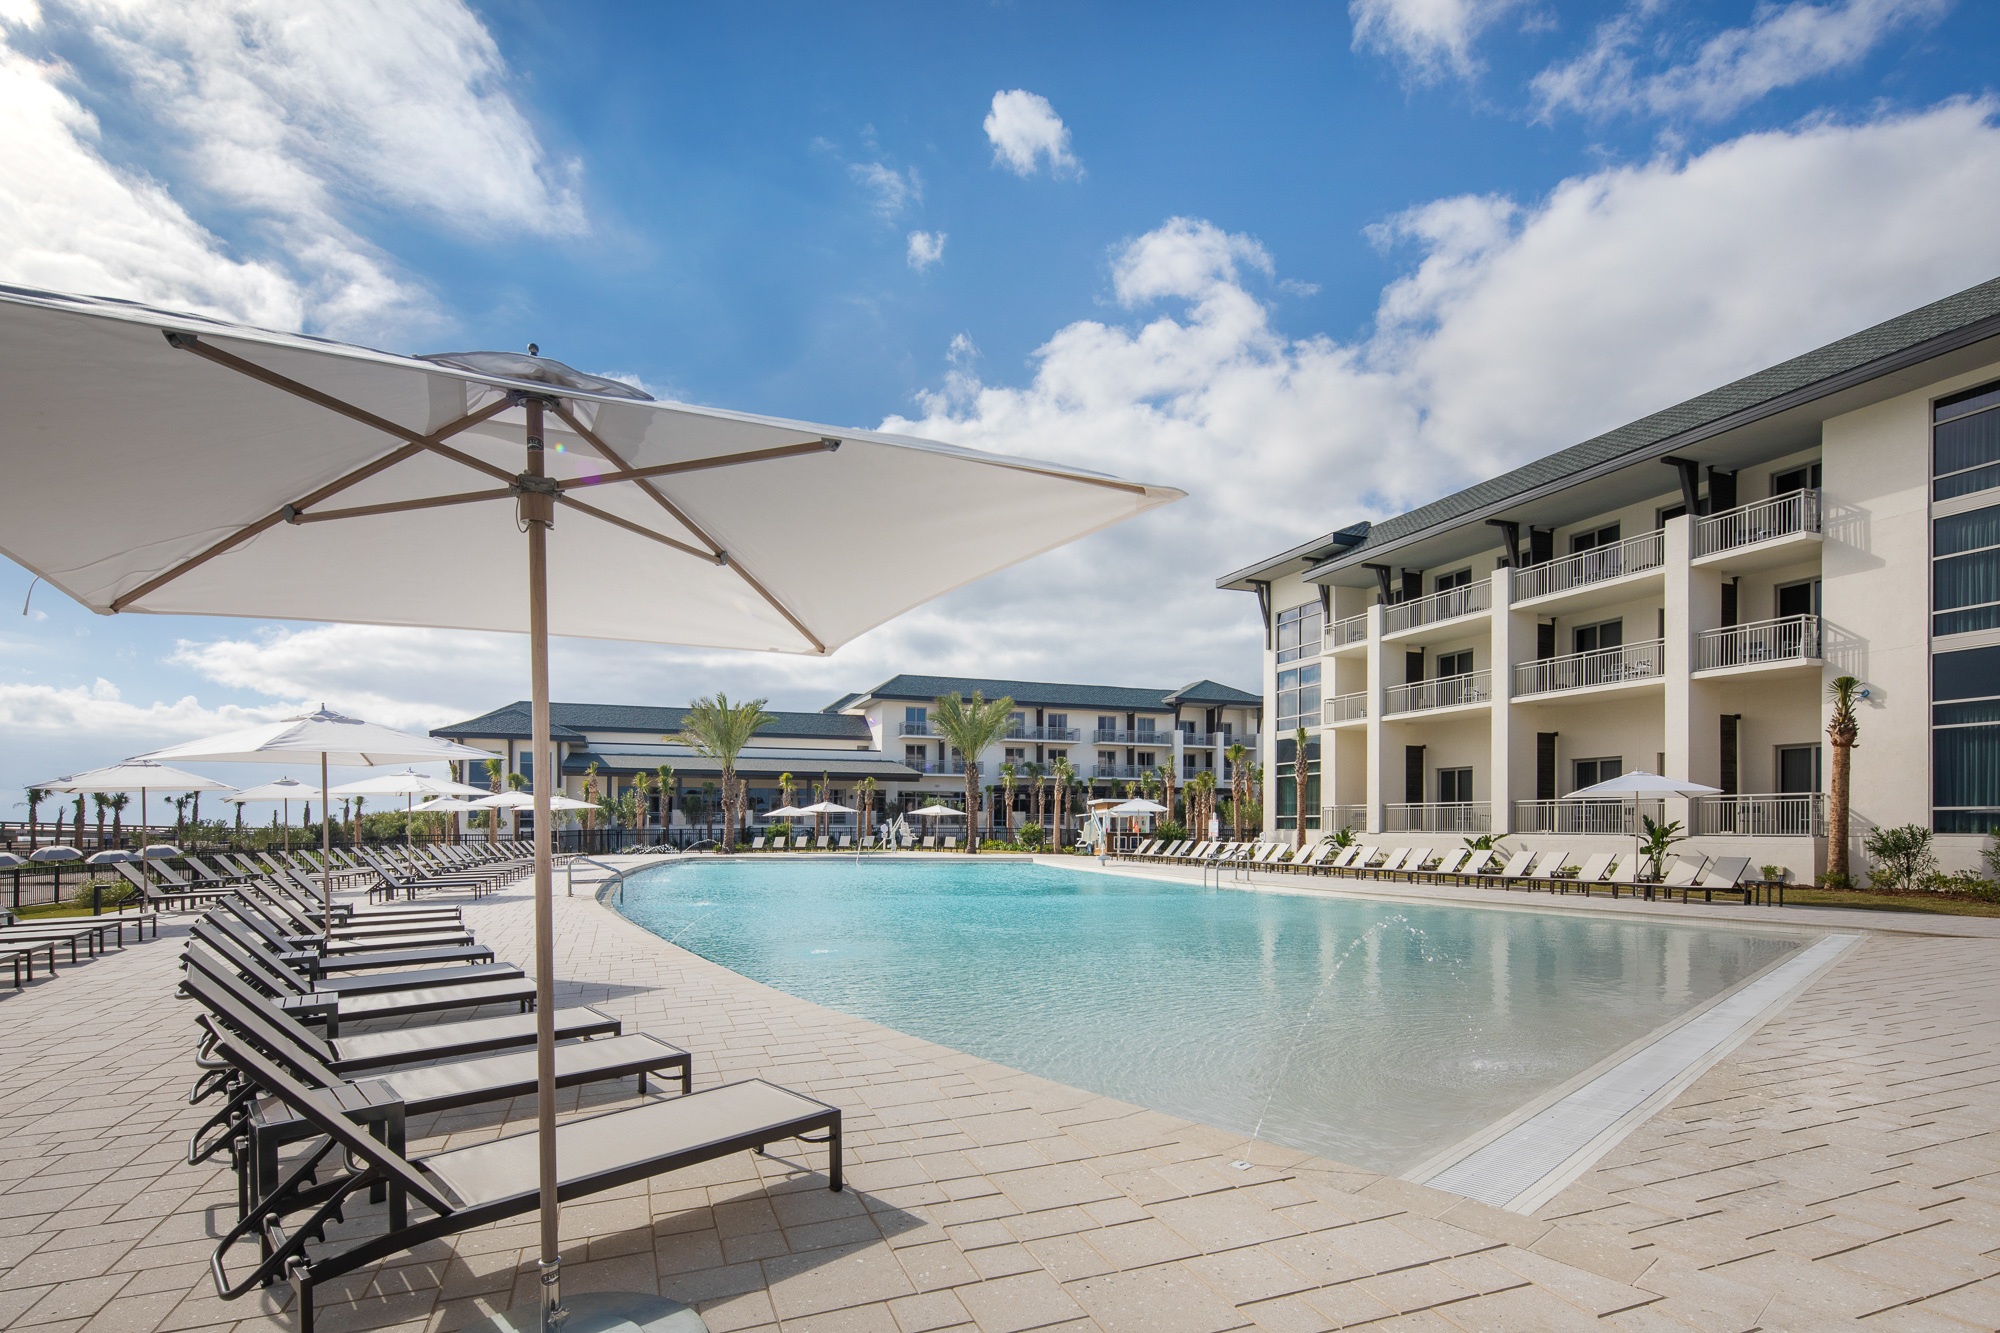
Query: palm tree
[
  {"x": 102, "y": 800},
  {"x": 1167, "y": 786},
  {"x": 1065, "y": 773},
  {"x": 118, "y": 803},
  {"x": 359, "y": 802},
  {"x": 642, "y": 788},
  {"x": 971, "y": 727},
  {"x": 718, "y": 730},
  {"x": 1238, "y": 756},
  {"x": 709, "y": 803},
  {"x": 36, "y": 795},
  {"x": 1007, "y": 774},
  {"x": 785, "y": 783},
  {"x": 496, "y": 783},
  {"x": 1201, "y": 802},
  {"x": 78, "y": 840},
  {"x": 1036, "y": 774},
  {"x": 1843, "y": 729},
  {"x": 1301, "y": 770},
  {"x": 665, "y": 774},
  {"x": 590, "y": 795}
]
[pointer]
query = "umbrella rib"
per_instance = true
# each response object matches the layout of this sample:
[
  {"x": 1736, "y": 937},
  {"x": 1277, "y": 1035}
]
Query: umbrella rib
[
  {"x": 400, "y": 506},
  {"x": 640, "y": 475},
  {"x": 712, "y": 557},
  {"x": 327, "y": 491}
]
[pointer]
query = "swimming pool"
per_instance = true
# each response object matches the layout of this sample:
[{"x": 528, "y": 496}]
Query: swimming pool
[{"x": 1371, "y": 1032}]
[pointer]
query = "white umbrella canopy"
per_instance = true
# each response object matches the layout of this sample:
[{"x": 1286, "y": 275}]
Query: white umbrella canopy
[
  {"x": 1635, "y": 787},
  {"x": 278, "y": 789},
  {"x": 323, "y": 735},
  {"x": 140, "y": 775},
  {"x": 827, "y": 808},
  {"x": 409, "y": 782},
  {"x": 1139, "y": 806},
  {"x": 784, "y": 812},
  {"x": 935, "y": 811},
  {"x": 227, "y": 470}
]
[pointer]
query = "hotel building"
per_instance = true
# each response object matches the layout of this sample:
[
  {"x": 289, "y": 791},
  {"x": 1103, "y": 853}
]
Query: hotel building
[
  {"x": 1109, "y": 734},
  {"x": 1674, "y": 596}
]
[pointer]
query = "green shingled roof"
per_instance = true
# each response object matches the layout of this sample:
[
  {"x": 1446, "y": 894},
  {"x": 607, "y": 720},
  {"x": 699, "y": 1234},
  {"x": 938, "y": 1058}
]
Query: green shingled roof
[
  {"x": 1956, "y": 321},
  {"x": 569, "y": 722},
  {"x": 1046, "y": 695}
]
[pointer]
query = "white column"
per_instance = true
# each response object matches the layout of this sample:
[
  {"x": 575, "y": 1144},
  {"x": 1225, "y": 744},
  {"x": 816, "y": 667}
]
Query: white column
[
  {"x": 1500, "y": 742},
  {"x": 1377, "y": 682}
]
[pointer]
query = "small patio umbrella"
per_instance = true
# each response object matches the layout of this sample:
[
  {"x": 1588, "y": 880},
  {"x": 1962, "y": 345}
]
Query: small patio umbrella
[
  {"x": 14, "y": 861},
  {"x": 58, "y": 855},
  {"x": 225, "y": 470},
  {"x": 936, "y": 811},
  {"x": 140, "y": 775},
  {"x": 827, "y": 808},
  {"x": 284, "y": 790},
  {"x": 330, "y": 738},
  {"x": 408, "y": 784},
  {"x": 784, "y": 812},
  {"x": 1636, "y": 786}
]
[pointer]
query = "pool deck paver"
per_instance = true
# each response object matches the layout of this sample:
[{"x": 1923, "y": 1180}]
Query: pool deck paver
[{"x": 1842, "y": 1165}]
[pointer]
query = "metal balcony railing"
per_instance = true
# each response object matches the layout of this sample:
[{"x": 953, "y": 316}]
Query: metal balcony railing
[
  {"x": 1788, "y": 639},
  {"x": 1763, "y": 521},
  {"x": 1439, "y": 817},
  {"x": 1340, "y": 633},
  {"x": 1447, "y": 605},
  {"x": 1345, "y": 708},
  {"x": 1164, "y": 739},
  {"x": 1579, "y": 671},
  {"x": 1781, "y": 816},
  {"x": 1122, "y": 770},
  {"x": 1634, "y": 555},
  {"x": 1585, "y": 817},
  {"x": 1474, "y": 687},
  {"x": 915, "y": 729},
  {"x": 1042, "y": 734},
  {"x": 944, "y": 767},
  {"x": 1334, "y": 818}
]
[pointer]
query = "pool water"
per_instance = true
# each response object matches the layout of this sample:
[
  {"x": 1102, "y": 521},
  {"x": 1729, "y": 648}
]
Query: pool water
[{"x": 1374, "y": 1033}]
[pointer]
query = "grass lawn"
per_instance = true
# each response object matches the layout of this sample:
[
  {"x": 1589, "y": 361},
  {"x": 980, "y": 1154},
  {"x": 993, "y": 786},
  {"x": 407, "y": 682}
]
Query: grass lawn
[{"x": 1889, "y": 902}]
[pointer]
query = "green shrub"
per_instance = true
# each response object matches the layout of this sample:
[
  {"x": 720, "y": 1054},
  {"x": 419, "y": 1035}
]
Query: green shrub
[
  {"x": 1031, "y": 837},
  {"x": 1169, "y": 831},
  {"x": 1961, "y": 884},
  {"x": 1773, "y": 874},
  {"x": 115, "y": 891},
  {"x": 996, "y": 845},
  {"x": 1902, "y": 857}
]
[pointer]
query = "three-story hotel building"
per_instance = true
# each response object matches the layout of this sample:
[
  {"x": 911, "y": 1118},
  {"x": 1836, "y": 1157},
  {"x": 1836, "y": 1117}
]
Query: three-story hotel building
[{"x": 1673, "y": 596}]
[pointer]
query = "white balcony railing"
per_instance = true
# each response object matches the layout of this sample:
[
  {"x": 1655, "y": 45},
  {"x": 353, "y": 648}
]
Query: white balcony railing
[
  {"x": 1786, "y": 816},
  {"x": 1122, "y": 770},
  {"x": 1585, "y": 817},
  {"x": 1042, "y": 734},
  {"x": 1447, "y": 605},
  {"x": 1789, "y": 639},
  {"x": 1345, "y": 708},
  {"x": 1421, "y": 696},
  {"x": 1766, "y": 520},
  {"x": 1340, "y": 633},
  {"x": 915, "y": 729},
  {"x": 1439, "y": 817},
  {"x": 1156, "y": 738},
  {"x": 1333, "y": 818},
  {"x": 1580, "y": 671},
  {"x": 942, "y": 767},
  {"x": 1634, "y": 555}
]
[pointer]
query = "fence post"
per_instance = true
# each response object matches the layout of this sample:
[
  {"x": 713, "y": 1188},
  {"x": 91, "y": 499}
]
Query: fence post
[{"x": 96, "y": 898}]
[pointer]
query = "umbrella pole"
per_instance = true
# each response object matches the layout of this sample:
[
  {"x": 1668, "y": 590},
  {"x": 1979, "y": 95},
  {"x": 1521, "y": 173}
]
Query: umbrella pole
[
  {"x": 325, "y": 849},
  {"x": 538, "y": 508}
]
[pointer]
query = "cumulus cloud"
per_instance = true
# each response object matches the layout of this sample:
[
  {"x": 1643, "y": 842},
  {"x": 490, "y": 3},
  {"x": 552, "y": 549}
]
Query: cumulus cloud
[
  {"x": 284, "y": 120},
  {"x": 89, "y": 712},
  {"x": 1783, "y": 46},
  {"x": 1026, "y": 132},
  {"x": 1429, "y": 38},
  {"x": 925, "y": 248}
]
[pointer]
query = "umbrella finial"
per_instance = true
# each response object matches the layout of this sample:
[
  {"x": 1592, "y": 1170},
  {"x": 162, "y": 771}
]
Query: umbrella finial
[{"x": 534, "y": 349}]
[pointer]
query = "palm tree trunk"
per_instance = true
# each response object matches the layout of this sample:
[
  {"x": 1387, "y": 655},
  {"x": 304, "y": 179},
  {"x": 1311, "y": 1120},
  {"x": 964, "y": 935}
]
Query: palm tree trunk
[
  {"x": 971, "y": 806},
  {"x": 1837, "y": 815}
]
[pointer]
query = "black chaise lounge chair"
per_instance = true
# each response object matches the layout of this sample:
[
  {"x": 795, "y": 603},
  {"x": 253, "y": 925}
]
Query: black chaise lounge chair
[
  {"x": 296, "y": 996},
  {"x": 369, "y": 980},
  {"x": 486, "y": 1182}
]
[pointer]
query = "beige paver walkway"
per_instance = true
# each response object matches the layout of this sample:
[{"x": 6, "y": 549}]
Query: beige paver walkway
[{"x": 1842, "y": 1164}]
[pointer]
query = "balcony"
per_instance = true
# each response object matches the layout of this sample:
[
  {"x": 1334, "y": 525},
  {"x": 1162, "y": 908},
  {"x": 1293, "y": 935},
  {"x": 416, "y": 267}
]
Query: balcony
[
  {"x": 1801, "y": 815},
  {"x": 1333, "y": 818},
  {"x": 1345, "y": 708},
  {"x": 1790, "y": 641},
  {"x": 1630, "y": 664},
  {"x": 1163, "y": 740},
  {"x": 1345, "y": 633},
  {"x": 1195, "y": 740},
  {"x": 943, "y": 767},
  {"x": 1121, "y": 772},
  {"x": 1761, "y": 534},
  {"x": 1586, "y": 818},
  {"x": 1424, "y": 696},
  {"x": 1467, "y": 600},
  {"x": 1587, "y": 569},
  {"x": 915, "y": 729},
  {"x": 1059, "y": 735},
  {"x": 1439, "y": 817}
]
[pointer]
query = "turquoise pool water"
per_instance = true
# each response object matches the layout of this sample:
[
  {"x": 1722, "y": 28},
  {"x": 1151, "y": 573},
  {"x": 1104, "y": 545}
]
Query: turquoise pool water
[{"x": 1370, "y": 1032}]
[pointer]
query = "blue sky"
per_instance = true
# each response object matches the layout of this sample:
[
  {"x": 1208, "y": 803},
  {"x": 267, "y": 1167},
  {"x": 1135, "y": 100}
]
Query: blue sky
[{"x": 1311, "y": 263}]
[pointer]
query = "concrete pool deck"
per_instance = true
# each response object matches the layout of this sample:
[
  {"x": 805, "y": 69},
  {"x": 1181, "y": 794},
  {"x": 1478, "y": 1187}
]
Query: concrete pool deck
[{"x": 1843, "y": 1163}]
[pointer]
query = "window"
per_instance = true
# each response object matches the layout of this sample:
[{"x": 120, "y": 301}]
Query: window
[
  {"x": 1017, "y": 722},
  {"x": 1590, "y": 772},
  {"x": 1298, "y": 697},
  {"x": 1454, "y": 786},
  {"x": 1455, "y": 664},
  {"x": 1797, "y": 479},
  {"x": 1798, "y": 768},
  {"x": 1146, "y": 759},
  {"x": 1965, "y": 572},
  {"x": 1290, "y": 806},
  {"x": 1058, "y": 721},
  {"x": 916, "y": 756},
  {"x": 1146, "y": 725},
  {"x": 1965, "y": 442},
  {"x": 1107, "y": 724},
  {"x": 1965, "y": 741},
  {"x": 1458, "y": 578},
  {"x": 1596, "y": 537},
  {"x": 1607, "y": 634},
  {"x": 1298, "y": 632},
  {"x": 1058, "y": 754},
  {"x": 1016, "y": 755},
  {"x": 1107, "y": 762},
  {"x": 526, "y": 766},
  {"x": 1798, "y": 599}
]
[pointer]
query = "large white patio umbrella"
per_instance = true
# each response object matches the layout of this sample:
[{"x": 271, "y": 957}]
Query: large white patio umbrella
[
  {"x": 140, "y": 775},
  {"x": 408, "y": 784},
  {"x": 332, "y": 739},
  {"x": 226, "y": 470},
  {"x": 1636, "y": 786},
  {"x": 282, "y": 790}
]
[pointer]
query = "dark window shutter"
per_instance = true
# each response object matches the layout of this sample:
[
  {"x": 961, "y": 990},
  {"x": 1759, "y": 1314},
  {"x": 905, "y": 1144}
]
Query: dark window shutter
[
  {"x": 1413, "y": 667},
  {"x": 1545, "y": 645},
  {"x": 1541, "y": 545},
  {"x": 1728, "y": 781},
  {"x": 1729, "y": 602},
  {"x": 1413, "y": 774},
  {"x": 1721, "y": 491},
  {"x": 1545, "y": 765}
]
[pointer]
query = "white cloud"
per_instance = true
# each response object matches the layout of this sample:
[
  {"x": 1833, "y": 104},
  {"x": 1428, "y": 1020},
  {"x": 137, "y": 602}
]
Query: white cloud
[
  {"x": 925, "y": 248},
  {"x": 1026, "y": 131},
  {"x": 1783, "y": 46},
  {"x": 89, "y": 712},
  {"x": 1429, "y": 38},
  {"x": 894, "y": 190},
  {"x": 286, "y": 119}
]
